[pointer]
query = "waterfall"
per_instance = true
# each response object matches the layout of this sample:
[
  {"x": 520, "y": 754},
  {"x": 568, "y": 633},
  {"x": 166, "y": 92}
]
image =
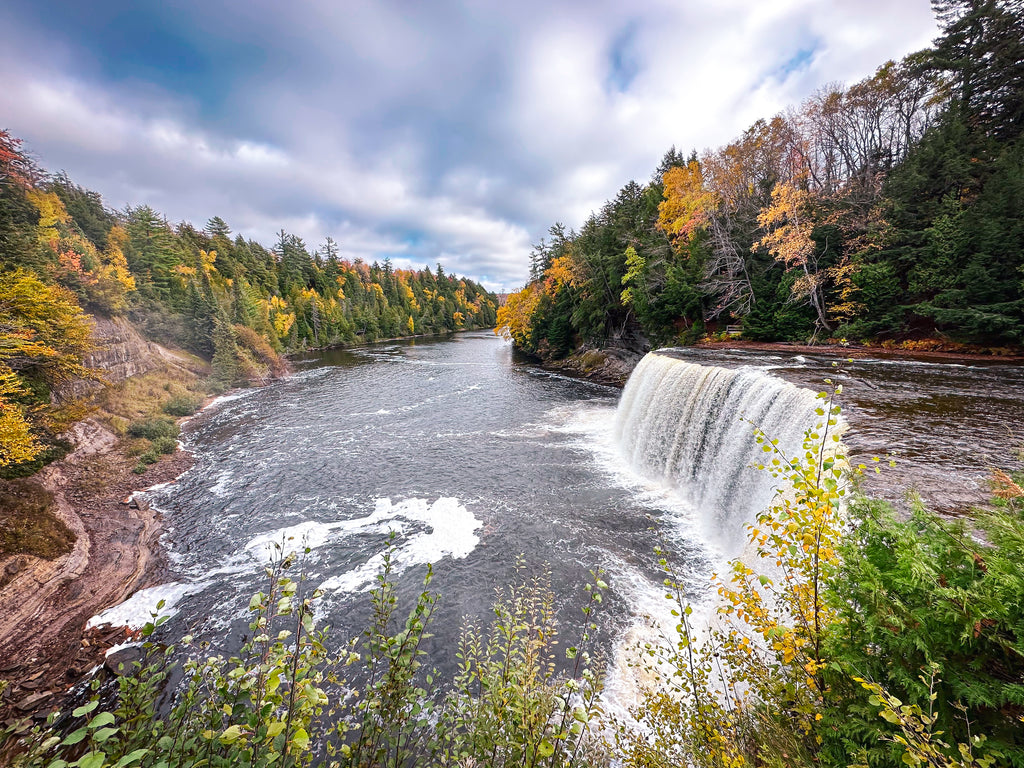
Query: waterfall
[{"x": 693, "y": 427}]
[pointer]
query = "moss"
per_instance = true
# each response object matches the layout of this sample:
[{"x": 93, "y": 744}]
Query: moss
[
  {"x": 591, "y": 360},
  {"x": 28, "y": 524}
]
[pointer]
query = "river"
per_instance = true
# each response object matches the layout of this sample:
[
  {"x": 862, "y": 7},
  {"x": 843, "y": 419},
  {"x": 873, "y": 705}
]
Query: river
[{"x": 473, "y": 458}]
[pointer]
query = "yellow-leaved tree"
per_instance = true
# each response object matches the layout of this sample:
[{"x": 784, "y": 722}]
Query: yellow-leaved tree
[
  {"x": 687, "y": 202},
  {"x": 17, "y": 443},
  {"x": 747, "y": 689},
  {"x": 44, "y": 337},
  {"x": 101, "y": 280},
  {"x": 514, "y": 318},
  {"x": 824, "y": 281}
]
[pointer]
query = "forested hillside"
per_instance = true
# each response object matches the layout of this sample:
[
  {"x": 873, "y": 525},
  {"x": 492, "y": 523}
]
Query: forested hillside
[
  {"x": 64, "y": 254},
  {"x": 892, "y": 209}
]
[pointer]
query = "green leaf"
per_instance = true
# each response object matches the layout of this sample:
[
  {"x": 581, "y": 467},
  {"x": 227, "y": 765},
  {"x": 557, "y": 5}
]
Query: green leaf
[
  {"x": 91, "y": 760},
  {"x": 275, "y": 728},
  {"x": 231, "y": 734},
  {"x": 103, "y": 734},
  {"x": 300, "y": 739},
  {"x": 85, "y": 709},
  {"x": 102, "y": 719},
  {"x": 131, "y": 757},
  {"x": 75, "y": 737},
  {"x": 545, "y": 748}
]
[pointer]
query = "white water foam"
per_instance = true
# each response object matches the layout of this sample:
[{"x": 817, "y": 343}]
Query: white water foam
[
  {"x": 452, "y": 533},
  {"x": 312, "y": 534},
  {"x": 139, "y": 609}
]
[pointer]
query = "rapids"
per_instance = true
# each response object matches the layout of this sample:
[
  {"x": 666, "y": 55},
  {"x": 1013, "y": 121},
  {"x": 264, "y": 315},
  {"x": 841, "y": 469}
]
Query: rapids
[{"x": 469, "y": 458}]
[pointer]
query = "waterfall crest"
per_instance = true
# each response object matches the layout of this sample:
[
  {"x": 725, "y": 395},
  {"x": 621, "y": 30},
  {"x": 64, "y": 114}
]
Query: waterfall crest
[{"x": 693, "y": 427}]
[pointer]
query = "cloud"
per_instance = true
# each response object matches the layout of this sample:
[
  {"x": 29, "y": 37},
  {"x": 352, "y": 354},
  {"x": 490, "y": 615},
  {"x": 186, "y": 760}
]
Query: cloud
[{"x": 419, "y": 132}]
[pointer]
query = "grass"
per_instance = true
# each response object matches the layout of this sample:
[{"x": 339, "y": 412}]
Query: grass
[
  {"x": 148, "y": 396},
  {"x": 142, "y": 411}
]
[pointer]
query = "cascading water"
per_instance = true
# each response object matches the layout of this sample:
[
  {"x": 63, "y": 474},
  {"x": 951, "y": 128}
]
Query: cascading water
[{"x": 693, "y": 427}]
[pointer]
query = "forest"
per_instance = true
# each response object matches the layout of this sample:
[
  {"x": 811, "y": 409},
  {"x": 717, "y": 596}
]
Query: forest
[
  {"x": 888, "y": 210},
  {"x": 65, "y": 255},
  {"x": 851, "y": 634}
]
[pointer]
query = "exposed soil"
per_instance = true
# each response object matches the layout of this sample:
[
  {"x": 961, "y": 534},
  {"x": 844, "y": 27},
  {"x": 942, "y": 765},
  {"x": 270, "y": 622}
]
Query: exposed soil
[{"x": 46, "y": 603}]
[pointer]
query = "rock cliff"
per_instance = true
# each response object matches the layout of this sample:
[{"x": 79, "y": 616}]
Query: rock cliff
[{"x": 121, "y": 353}]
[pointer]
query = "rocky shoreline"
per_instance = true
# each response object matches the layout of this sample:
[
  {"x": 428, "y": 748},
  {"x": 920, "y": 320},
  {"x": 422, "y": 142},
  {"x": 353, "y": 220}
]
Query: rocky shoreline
[
  {"x": 856, "y": 351},
  {"x": 612, "y": 365},
  {"x": 45, "y": 604}
]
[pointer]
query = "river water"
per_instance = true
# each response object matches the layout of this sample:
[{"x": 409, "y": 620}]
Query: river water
[{"x": 471, "y": 458}]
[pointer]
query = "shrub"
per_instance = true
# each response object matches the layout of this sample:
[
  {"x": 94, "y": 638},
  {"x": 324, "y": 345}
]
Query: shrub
[
  {"x": 183, "y": 405},
  {"x": 149, "y": 457},
  {"x": 266, "y": 706},
  {"x": 931, "y": 615},
  {"x": 52, "y": 451},
  {"x": 166, "y": 445},
  {"x": 151, "y": 429}
]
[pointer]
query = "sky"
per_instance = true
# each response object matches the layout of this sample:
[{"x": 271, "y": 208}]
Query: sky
[{"x": 420, "y": 131}]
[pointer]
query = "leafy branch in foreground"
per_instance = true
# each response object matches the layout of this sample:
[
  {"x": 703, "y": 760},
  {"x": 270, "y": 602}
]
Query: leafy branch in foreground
[
  {"x": 286, "y": 700},
  {"x": 850, "y": 636},
  {"x": 747, "y": 688}
]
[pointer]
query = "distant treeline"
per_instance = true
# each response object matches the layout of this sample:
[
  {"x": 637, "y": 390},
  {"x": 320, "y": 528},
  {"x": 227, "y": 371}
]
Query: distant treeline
[
  {"x": 890, "y": 209},
  {"x": 228, "y": 299}
]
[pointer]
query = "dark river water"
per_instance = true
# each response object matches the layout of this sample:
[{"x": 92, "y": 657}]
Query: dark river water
[{"x": 472, "y": 458}]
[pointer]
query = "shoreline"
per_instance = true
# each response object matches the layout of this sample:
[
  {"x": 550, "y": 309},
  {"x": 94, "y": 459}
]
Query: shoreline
[
  {"x": 364, "y": 344},
  {"x": 46, "y": 646},
  {"x": 857, "y": 351},
  {"x": 611, "y": 366}
]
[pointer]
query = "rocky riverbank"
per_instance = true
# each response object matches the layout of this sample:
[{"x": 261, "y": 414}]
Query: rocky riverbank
[
  {"x": 45, "y": 604},
  {"x": 612, "y": 365},
  {"x": 922, "y": 351},
  {"x": 90, "y": 544}
]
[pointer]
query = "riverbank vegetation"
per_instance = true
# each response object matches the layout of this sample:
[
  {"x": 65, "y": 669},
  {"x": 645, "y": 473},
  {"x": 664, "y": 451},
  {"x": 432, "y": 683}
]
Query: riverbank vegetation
[
  {"x": 849, "y": 638},
  {"x": 227, "y": 299},
  {"x": 889, "y": 210}
]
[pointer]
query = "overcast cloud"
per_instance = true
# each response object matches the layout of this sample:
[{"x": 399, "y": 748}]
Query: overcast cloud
[{"x": 419, "y": 131}]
